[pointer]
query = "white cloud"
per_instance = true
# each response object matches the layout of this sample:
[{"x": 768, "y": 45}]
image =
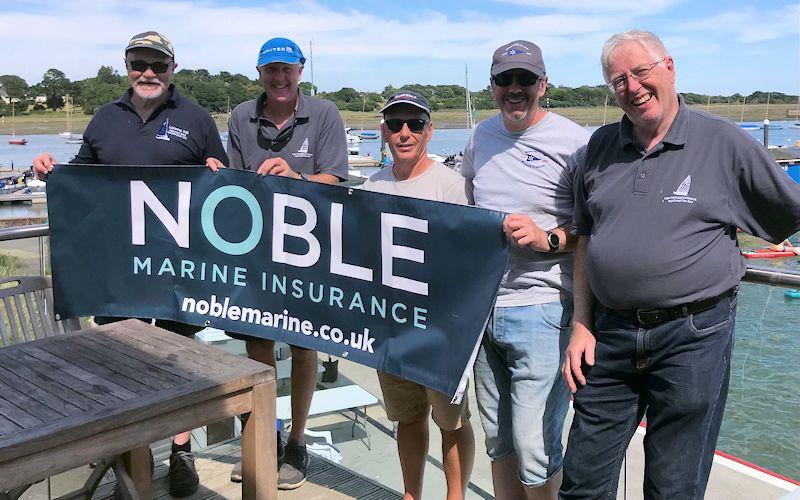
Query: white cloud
[
  {"x": 640, "y": 7},
  {"x": 749, "y": 25},
  {"x": 353, "y": 48}
]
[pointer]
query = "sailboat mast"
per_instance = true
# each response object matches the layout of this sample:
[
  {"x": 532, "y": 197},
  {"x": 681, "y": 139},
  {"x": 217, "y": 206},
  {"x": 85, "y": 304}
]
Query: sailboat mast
[
  {"x": 311, "y": 66},
  {"x": 470, "y": 121}
]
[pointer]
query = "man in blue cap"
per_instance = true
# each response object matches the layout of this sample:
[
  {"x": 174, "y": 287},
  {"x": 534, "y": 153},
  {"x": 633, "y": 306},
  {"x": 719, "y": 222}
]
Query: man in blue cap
[{"x": 286, "y": 133}]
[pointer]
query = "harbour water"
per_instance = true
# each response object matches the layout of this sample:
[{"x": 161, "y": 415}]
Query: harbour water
[
  {"x": 762, "y": 421},
  {"x": 443, "y": 142}
]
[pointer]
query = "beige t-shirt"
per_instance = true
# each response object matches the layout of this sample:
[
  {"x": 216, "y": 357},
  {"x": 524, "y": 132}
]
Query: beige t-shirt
[{"x": 437, "y": 183}]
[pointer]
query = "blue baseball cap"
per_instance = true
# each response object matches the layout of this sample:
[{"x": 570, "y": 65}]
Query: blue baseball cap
[{"x": 280, "y": 50}]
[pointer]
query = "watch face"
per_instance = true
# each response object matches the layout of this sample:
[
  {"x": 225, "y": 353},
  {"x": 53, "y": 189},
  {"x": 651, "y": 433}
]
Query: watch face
[{"x": 553, "y": 240}]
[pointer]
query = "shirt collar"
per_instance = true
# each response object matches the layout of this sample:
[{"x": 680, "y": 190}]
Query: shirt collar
[{"x": 676, "y": 135}]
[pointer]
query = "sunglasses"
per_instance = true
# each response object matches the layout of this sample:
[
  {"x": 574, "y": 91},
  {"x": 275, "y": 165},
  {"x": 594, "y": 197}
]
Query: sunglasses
[
  {"x": 524, "y": 79},
  {"x": 414, "y": 124},
  {"x": 157, "y": 67}
]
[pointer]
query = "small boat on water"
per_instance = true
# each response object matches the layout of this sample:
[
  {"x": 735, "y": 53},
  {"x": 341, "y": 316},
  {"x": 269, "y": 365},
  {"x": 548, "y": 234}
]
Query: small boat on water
[
  {"x": 15, "y": 141},
  {"x": 766, "y": 253},
  {"x": 750, "y": 126},
  {"x": 74, "y": 139},
  {"x": 792, "y": 294},
  {"x": 368, "y": 135}
]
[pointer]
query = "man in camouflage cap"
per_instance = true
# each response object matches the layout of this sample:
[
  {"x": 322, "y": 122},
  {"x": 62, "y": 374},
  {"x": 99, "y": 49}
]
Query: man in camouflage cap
[{"x": 151, "y": 124}]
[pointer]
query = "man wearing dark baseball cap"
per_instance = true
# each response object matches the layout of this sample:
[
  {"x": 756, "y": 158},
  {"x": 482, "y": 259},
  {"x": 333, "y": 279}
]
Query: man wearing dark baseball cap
[
  {"x": 521, "y": 161},
  {"x": 151, "y": 124},
  {"x": 407, "y": 128},
  {"x": 286, "y": 133}
]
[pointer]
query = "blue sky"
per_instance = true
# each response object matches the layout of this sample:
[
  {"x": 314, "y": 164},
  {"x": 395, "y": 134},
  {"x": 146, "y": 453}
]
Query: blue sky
[{"x": 719, "y": 47}]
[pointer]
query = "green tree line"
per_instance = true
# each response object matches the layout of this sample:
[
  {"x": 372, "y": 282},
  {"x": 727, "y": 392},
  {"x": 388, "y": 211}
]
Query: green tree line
[{"x": 222, "y": 92}]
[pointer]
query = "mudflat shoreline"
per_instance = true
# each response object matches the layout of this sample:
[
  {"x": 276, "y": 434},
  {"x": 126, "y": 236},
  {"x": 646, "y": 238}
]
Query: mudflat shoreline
[{"x": 54, "y": 122}]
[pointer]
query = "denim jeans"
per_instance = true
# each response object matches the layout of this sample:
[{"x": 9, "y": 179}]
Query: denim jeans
[
  {"x": 522, "y": 398},
  {"x": 676, "y": 374}
]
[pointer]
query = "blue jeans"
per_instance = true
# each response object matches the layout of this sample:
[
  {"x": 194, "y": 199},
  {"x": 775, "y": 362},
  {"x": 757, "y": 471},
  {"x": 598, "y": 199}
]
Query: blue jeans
[
  {"x": 521, "y": 395},
  {"x": 676, "y": 374}
]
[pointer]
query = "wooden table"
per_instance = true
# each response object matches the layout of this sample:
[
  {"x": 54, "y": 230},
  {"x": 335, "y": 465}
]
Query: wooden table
[{"x": 108, "y": 392}]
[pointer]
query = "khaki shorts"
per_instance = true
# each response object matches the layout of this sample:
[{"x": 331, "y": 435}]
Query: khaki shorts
[{"x": 406, "y": 400}]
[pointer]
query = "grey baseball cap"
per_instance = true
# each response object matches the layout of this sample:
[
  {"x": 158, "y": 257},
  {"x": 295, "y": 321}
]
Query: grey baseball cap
[{"x": 519, "y": 54}]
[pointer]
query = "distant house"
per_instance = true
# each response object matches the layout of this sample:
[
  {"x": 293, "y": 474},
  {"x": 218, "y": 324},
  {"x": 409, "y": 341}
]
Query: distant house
[{"x": 4, "y": 95}]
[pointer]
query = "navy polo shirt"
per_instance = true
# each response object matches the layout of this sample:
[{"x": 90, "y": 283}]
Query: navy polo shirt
[
  {"x": 662, "y": 223},
  {"x": 179, "y": 132},
  {"x": 313, "y": 142}
]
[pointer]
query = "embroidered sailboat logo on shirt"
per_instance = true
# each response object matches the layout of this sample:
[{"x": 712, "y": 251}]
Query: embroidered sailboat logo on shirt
[
  {"x": 683, "y": 189},
  {"x": 162, "y": 132},
  {"x": 303, "y": 151},
  {"x": 681, "y": 195}
]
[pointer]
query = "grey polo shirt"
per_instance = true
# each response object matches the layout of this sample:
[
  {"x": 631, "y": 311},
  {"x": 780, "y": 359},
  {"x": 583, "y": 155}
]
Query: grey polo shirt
[
  {"x": 662, "y": 224},
  {"x": 314, "y": 142}
]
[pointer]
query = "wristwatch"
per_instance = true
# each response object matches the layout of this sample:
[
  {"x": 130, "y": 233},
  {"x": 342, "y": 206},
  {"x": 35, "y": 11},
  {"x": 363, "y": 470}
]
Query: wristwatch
[
  {"x": 554, "y": 241},
  {"x": 303, "y": 176}
]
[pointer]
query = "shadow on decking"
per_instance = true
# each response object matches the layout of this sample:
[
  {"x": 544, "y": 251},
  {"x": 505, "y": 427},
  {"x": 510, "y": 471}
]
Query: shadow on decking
[{"x": 326, "y": 480}]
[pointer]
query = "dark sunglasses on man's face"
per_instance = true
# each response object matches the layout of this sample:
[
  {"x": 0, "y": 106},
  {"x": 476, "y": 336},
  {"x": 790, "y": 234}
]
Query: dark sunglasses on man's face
[
  {"x": 157, "y": 67},
  {"x": 506, "y": 78},
  {"x": 414, "y": 124}
]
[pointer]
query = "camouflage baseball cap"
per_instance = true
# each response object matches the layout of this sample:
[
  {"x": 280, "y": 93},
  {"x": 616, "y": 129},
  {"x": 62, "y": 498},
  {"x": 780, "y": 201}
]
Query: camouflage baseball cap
[{"x": 151, "y": 40}]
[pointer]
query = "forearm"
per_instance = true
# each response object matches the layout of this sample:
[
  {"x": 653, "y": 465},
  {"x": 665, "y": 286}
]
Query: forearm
[
  {"x": 323, "y": 178},
  {"x": 583, "y": 297}
]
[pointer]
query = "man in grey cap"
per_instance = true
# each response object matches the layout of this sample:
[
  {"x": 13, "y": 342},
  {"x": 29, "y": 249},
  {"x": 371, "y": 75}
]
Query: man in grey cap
[
  {"x": 521, "y": 161},
  {"x": 407, "y": 128},
  {"x": 151, "y": 124},
  {"x": 285, "y": 133}
]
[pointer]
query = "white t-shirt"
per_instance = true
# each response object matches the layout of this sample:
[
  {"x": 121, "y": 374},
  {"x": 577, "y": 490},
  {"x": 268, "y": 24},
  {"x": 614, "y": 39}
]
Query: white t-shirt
[
  {"x": 436, "y": 183},
  {"x": 528, "y": 172}
]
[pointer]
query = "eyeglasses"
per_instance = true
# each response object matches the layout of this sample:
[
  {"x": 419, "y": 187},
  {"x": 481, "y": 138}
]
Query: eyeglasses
[
  {"x": 414, "y": 124},
  {"x": 506, "y": 78},
  {"x": 157, "y": 67},
  {"x": 639, "y": 74}
]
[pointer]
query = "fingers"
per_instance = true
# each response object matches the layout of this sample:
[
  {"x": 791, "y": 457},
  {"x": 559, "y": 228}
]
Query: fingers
[
  {"x": 580, "y": 350},
  {"x": 276, "y": 166},
  {"x": 214, "y": 164},
  {"x": 42, "y": 165}
]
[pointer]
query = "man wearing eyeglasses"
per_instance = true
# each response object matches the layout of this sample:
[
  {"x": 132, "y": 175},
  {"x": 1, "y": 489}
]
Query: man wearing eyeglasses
[
  {"x": 151, "y": 124},
  {"x": 407, "y": 128},
  {"x": 288, "y": 134},
  {"x": 521, "y": 161},
  {"x": 657, "y": 269}
]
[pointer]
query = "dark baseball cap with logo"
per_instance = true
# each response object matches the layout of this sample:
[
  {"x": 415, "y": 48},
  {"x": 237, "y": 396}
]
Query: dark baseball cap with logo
[
  {"x": 151, "y": 40},
  {"x": 408, "y": 97},
  {"x": 519, "y": 54}
]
